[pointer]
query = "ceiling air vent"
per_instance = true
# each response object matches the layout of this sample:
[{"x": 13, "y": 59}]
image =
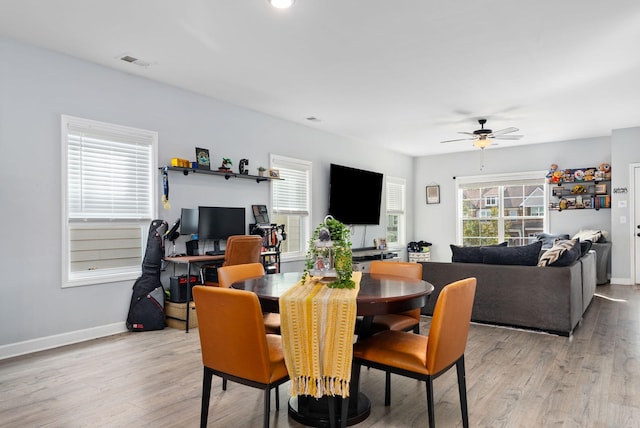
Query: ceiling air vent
[{"x": 133, "y": 60}]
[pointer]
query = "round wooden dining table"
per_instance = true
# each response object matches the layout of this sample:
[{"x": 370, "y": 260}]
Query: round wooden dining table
[{"x": 378, "y": 295}]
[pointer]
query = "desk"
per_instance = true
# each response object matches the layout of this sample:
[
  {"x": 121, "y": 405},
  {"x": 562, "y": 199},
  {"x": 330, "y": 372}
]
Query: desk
[
  {"x": 378, "y": 295},
  {"x": 189, "y": 260}
]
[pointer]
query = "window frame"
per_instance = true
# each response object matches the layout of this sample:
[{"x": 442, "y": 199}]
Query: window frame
[
  {"x": 72, "y": 220},
  {"x": 498, "y": 180},
  {"x": 283, "y": 163},
  {"x": 399, "y": 211}
]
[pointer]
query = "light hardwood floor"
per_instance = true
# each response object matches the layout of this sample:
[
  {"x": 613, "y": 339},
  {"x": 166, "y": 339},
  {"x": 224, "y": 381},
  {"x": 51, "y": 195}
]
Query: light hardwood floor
[{"x": 514, "y": 379}]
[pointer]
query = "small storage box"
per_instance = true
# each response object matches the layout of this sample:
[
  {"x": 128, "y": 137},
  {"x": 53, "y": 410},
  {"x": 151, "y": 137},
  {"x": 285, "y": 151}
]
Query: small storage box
[
  {"x": 419, "y": 257},
  {"x": 176, "y": 313}
]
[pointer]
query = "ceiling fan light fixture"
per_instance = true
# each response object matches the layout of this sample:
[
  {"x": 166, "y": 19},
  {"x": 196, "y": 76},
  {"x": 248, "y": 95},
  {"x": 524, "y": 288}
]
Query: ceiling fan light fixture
[
  {"x": 482, "y": 143},
  {"x": 281, "y": 4}
]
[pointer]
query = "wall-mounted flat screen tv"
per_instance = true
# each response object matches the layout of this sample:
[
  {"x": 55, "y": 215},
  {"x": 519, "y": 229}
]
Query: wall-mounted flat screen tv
[{"x": 355, "y": 195}]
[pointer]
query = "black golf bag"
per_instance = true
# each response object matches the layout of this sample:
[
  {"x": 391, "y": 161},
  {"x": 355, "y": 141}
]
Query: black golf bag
[{"x": 146, "y": 310}]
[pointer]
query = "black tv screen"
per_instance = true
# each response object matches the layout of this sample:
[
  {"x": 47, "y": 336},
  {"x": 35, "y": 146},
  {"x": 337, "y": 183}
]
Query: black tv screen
[
  {"x": 216, "y": 223},
  {"x": 189, "y": 221},
  {"x": 355, "y": 195}
]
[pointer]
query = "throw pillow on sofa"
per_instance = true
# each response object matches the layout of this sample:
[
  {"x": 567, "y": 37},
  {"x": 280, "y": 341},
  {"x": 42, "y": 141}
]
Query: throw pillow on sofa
[
  {"x": 563, "y": 253},
  {"x": 549, "y": 239},
  {"x": 526, "y": 255},
  {"x": 469, "y": 254}
]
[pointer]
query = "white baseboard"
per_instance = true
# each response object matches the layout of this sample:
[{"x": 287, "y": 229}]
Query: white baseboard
[
  {"x": 622, "y": 281},
  {"x": 55, "y": 341}
]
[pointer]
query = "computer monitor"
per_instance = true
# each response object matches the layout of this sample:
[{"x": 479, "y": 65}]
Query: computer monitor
[
  {"x": 218, "y": 223},
  {"x": 189, "y": 221}
]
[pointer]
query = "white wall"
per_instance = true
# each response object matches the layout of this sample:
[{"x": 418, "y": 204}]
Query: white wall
[
  {"x": 625, "y": 151},
  {"x": 437, "y": 223},
  {"x": 36, "y": 87}
]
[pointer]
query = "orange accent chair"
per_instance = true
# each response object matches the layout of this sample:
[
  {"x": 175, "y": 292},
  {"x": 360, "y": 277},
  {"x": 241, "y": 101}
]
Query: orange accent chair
[
  {"x": 227, "y": 275},
  {"x": 421, "y": 357},
  {"x": 403, "y": 321},
  {"x": 236, "y": 346}
]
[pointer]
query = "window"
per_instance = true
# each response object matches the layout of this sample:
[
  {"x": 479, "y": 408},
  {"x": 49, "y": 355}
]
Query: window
[
  {"x": 291, "y": 204},
  {"x": 109, "y": 200},
  {"x": 494, "y": 209},
  {"x": 395, "y": 196}
]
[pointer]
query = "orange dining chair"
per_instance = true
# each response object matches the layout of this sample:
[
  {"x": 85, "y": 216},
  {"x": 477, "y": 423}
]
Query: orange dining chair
[
  {"x": 242, "y": 249},
  {"x": 403, "y": 321},
  {"x": 421, "y": 357},
  {"x": 227, "y": 275},
  {"x": 236, "y": 346}
]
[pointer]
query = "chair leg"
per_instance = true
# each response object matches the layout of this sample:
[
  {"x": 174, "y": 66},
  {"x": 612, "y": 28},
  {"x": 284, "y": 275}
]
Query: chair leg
[
  {"x": 206, "y": 395},
  {"x": 277, "y": 398},
  {"x": 462, "y": 388},
  {"x": 224, "y": 383},
  {"x": 387, "y": 388},
  {"x": 267, "y": 406},
  {"x": 430, "y": 407},
  {"x": 416, "y": 329}
]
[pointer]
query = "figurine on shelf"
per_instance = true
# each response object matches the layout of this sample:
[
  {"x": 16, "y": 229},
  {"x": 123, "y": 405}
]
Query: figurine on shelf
[
  {"x": 242, "y": 169},
  {"x": 226, "y": 165},
  {"x": 261, "y": 171}
]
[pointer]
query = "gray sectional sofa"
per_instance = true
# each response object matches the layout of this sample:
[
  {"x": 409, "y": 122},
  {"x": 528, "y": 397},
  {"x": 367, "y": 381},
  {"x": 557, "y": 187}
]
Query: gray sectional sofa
[{"x": 551, "y": 298}]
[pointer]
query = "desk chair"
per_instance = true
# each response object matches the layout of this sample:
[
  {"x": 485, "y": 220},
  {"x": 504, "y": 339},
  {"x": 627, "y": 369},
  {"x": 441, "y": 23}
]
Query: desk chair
[
  {"x": 235, "y": 345},
  {"x": 403, "y": 321},
  {"x": 425, "y": 358},
  {"x": 242, "y": 249}
]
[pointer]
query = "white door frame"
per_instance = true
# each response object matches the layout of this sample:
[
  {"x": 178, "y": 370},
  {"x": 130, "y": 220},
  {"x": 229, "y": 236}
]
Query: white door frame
[{"x": 633, "y": 221}]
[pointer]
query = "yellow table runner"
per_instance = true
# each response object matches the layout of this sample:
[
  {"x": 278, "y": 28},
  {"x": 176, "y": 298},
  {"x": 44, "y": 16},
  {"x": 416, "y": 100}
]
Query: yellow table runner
[{"x": 317, "y": 325}]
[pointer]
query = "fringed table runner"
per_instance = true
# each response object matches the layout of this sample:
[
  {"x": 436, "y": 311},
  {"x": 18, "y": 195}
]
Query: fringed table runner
[{"x": 317, "y": 325}]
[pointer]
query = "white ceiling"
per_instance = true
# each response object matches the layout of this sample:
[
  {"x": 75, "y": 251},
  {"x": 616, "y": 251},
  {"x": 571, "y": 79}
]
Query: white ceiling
[{"x": 405, "y": 74}]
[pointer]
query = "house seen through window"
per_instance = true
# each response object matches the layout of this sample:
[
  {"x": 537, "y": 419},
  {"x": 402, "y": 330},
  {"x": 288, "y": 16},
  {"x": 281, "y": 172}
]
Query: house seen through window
[{"x": 509, "y": 208}]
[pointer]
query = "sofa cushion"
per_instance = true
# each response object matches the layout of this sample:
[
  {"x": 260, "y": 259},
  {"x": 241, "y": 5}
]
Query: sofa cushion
[
  {"x": 549, "y": 239},
  {"x": 563, "y": 253},
  {"x": 526, "y": 255},
  {"x": 469, "y": 254}
]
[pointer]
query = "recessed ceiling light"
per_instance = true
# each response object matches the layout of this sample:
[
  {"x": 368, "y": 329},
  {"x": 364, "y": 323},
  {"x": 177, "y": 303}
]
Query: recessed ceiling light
[{"x": 282, "y": 4}]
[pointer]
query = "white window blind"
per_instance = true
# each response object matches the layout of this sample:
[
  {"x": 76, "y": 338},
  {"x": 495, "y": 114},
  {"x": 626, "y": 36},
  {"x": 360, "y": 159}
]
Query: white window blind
[
  {"x": 395, "y": 194},
  {"x": 110, "y": 198},
  {"x": 290, "y": 195},
  {"x": 109, "y": 173}
]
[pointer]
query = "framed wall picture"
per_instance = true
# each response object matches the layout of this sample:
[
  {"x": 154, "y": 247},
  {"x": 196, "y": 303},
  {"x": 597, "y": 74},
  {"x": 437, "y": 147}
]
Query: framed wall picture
[
  {"x": 273, "y": 173},
  {"x": 433, "y": 194},
  {"x": 202, "y": 157},
  {"x": 601, "y": 188}
]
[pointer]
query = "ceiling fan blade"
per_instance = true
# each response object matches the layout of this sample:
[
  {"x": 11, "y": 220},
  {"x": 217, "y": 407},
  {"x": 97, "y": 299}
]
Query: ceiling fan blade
[
  {"x": 507, "y": 137},
  {"x": 460, "y": 139},
  {"x": 466, "y": 133},
  {"x": 505, "y": 131}
]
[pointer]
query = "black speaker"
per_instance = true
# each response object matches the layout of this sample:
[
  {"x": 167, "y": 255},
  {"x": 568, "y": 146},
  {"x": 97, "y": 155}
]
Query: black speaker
[{"x": 192, "y": 248}]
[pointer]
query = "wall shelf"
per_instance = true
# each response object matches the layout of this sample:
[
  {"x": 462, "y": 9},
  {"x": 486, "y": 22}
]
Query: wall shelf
[{"x": 226, "y": 174}]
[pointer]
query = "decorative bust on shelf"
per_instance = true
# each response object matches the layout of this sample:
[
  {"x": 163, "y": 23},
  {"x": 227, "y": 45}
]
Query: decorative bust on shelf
[
  {"x": 329, "y": 254},
  {"x": 226, "y": 165}
]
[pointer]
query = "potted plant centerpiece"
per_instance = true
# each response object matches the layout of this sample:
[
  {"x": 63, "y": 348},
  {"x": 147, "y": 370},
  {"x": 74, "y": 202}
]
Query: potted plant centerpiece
[{"x": 329, "y": 254}]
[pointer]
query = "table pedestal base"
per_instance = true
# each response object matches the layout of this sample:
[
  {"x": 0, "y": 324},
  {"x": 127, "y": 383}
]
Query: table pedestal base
[{"x": 314, "y": 412}]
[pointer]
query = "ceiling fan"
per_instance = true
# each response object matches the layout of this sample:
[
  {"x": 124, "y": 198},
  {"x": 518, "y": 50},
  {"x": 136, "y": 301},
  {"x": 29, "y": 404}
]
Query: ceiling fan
[{"x": 483, "y": 137}]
